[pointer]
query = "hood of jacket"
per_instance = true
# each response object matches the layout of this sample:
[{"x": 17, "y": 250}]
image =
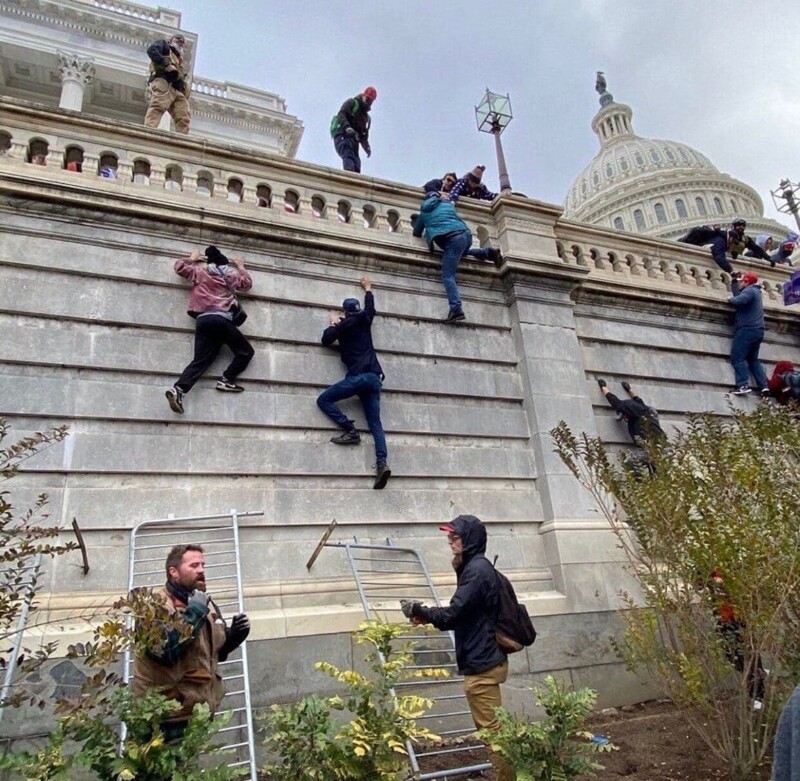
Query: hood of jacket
[
  {"x": 473, "y": 536},
  {"x": 430, "y": 203}
]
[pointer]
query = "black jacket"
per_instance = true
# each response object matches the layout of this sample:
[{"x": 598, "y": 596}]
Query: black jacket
[
  {"x": 642, "y": 420},
  {"x": 472, "y": 612},
  {"x": 354, "y": 333},
  {"x": 354, "y": 113}
]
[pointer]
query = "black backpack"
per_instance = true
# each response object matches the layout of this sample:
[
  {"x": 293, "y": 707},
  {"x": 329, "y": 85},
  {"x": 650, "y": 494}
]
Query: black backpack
[{"x": 514, "y": 627}]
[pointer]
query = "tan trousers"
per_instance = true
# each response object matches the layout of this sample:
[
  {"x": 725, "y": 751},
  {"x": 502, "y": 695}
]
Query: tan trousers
[
  {"x": 483, "y": 696},
  {"x": 163, "y": 97}
]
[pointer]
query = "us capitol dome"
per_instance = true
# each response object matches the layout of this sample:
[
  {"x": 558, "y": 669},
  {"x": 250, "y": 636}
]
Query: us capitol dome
[{"x": 655, "y": 187}]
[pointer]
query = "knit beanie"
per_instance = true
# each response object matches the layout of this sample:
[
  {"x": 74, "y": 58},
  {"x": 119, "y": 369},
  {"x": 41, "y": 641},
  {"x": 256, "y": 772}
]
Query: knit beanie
[
  {"x": 213, "y": 255},
  {"x": 476, "y": 173}
]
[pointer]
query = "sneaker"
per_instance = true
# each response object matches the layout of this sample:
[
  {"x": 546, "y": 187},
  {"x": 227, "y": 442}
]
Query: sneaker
[
  {"x": 742, "y": 390},
  {"x": 495, "y": 255},
  {"x": 757, "y": 705},
  {"x": 455, "y": 316},
  {"x": 765, "y": 392},
  {"x": 351, "y": 437},
  {"x": 175, "y": 398},
  {"x": 229, "y": 386},
  {"x": 382, "y": 475}
]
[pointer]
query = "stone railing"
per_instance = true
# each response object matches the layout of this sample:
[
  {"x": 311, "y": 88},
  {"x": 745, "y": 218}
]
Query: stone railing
[
  {"x": 163, "y": 16},
  {"x": 216, "y": 89},
  {"x": 257, "y": 188}
]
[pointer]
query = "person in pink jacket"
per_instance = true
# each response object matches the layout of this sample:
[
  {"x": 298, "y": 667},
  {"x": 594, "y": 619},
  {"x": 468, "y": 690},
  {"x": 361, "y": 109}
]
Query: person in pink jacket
[{"x": 213, "y": 304}]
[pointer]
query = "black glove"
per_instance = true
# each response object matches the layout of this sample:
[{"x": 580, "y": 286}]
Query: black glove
[
  {"x": 626, "y": 386},
  {"x": 235, "y": 635},
  {"x": 351, "y": 133},
  {"x": 368, "y": 150},
  {"x": 602, "y": 383}
]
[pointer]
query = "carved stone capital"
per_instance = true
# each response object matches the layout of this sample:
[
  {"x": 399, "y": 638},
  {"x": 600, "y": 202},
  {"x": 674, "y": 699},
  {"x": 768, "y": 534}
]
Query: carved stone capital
[{"x": 75, "y": 68}]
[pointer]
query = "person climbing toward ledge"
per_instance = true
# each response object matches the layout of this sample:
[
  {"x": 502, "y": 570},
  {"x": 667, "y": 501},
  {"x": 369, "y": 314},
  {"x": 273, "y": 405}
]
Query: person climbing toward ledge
[
  {"x": 352, "y": 328},
  {"x": 470, "y": 186},
  {"x": 734, "y": 240},
  {"x": 168, "y": 85},
  {"x": 749, "y": 333},
  {"x": 445, "y": 229},
  {"x": 218, "y": 315},
  {"x": 350, "y": 127}
]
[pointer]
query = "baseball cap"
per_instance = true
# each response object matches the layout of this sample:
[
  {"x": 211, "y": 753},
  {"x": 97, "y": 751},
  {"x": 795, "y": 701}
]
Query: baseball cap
[
  {"x": 448, "y": 528},
  {"x": 351, "y": 305},
  {"x": 749, "y": 278}
]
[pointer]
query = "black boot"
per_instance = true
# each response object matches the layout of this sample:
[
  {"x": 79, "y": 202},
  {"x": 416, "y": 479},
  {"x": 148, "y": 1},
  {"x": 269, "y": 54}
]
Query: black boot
[
  {"x": 382, "y": 475},
  {"x": 349, "y": 437}
]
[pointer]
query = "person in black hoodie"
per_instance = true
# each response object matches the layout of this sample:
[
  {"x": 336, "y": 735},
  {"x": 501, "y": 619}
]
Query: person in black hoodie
[
  {"x": 350, "y": 127},
  {"x": 472, "y": 615},
  {"x": 364, "y": 378},
  {"x": 734, "y": 240}
]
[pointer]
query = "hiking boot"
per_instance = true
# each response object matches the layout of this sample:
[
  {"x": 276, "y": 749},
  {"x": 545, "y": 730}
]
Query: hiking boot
[
  {"x": 742, "y": 390},
  {"x": 175, "y": 398},
  {"x": 382, "y": 475},
  {"x": 455, "y": 316},
  {"x": 495, "y": 255},
  {"x": 351, "y": 437},
  {"x": 229, "y": 386}
]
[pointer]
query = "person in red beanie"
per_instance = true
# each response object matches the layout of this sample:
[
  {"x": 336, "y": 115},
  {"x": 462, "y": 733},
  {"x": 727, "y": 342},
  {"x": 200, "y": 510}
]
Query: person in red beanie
[
  {"x": 350, "y": 127},
  {"x": 749, "y": 333}
]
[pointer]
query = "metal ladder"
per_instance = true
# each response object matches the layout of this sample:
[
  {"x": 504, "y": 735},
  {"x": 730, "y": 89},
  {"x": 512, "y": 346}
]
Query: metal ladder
[
  {"x": 219, "y": 537},
  {"x": 385, "y": 574}
]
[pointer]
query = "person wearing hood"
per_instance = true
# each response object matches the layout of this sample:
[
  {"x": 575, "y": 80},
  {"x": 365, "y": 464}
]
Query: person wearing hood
[
  {"x": 785, "y": 249},
  {"x": 350, "y": 127},
  {"x": 168, "y": 85},
  {"x": 472, "y": 617},
  {"x": 734, "y": 240},
  {"x": 784, "y": 384},
  {"x": 352, "y": 328},
  {"x": 748, "y": 335},
  {"x": 765, "y": 241},
  {"x": 470, "y": 186},
  {"x": 215, "y": 308},
  {"x": 446, "y": 230},
  {"x": 185, "y": 664}
]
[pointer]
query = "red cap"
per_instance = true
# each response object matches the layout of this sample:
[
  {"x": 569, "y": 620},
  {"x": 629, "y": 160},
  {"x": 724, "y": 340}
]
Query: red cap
[
  {"x": 447, "y": 528},
  {"x": 370, "y": 92},
  {"x": 749, "y": 278}
]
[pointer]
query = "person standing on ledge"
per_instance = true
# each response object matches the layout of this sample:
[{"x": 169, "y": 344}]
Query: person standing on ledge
[
  {"x": 350, "y": 127},
  {"x": 168, "y": 85},
  {"x": 217, "y": 312},
  {"x": 352, "y": 328}
]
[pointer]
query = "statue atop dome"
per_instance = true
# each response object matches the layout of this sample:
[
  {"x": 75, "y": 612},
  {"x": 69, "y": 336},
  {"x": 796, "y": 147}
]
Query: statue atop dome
[{"x": 602, "y": 89}]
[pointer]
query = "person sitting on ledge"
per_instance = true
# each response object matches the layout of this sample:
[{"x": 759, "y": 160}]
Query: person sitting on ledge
[{"x": 734, "y": 240}]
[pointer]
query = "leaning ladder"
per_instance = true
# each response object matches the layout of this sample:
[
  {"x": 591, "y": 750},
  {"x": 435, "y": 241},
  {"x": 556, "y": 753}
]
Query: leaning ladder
[
  {"x": 219, "y": 536},
  {"x": 385, "y": 574}
]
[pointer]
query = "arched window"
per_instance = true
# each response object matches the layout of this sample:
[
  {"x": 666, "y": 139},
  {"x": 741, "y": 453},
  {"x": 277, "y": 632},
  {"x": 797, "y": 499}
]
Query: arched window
[
  {"x": 680, "y": 207},
  {"x": 108, "y": 165},
  {"x": 369, "y": 214},
  {"x": 291, "y": 202},
  {"x": 393, "y": 218},
  {"x": 700, "y": 205},
  {"x": 264, "y": 196},
  {"x": 37, "y": 151},
  {"x": 619, "y": 224},
  {"x": 141, "y": 172},
  {"x": 638, "y": 218},
  {"x": 235, "y": 190},
  {"x": 734, "y": 206},
  {"x": 661, "y": 214},
  {"x": 205, "y": 184},
  {"x": 73, "y": 159},
  {"x": 173, "y": 178},
  {"x": 718, "y": 206},
  {"x": 5, "y": 143},
  {"x": 343, "y": 210},
  {"x": 317, "y": 206}
]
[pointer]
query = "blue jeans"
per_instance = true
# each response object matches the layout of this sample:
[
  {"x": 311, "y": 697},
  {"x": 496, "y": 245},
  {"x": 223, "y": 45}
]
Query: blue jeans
[
  {"x": 744, "y": 356},
  {"x": 368, "y": 389},
  {"x": 455, "y": 246},
  {"x": 347, "y": 148}
]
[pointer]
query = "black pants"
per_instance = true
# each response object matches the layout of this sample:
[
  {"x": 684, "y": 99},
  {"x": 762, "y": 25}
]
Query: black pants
[{"x": 213, "y": 331}]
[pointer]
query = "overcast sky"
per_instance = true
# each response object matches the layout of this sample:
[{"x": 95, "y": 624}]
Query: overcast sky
[{"x": 719, "y": 75}]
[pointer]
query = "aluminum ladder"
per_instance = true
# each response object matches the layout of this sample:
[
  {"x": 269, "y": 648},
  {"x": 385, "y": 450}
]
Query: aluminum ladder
[
  {"x": 219, "y": 536},
  {"x": 385, "y": 574}
]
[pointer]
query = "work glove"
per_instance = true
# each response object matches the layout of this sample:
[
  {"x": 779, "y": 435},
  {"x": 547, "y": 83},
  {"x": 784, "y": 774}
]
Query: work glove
[
  {"x": 602, "y": 383},
  {"x": 368, "y": 151},
  {"x": 626, "y": 386},
  {"x": 240, "y": 629},
  {"x": 197, "y": 606},
  {"x": 350, "y": 133},
  {"x": 407, "y": 606}
]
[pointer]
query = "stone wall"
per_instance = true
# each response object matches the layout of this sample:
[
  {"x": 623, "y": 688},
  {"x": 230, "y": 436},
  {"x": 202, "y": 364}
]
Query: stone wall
[{"x": 94, "y": 330}]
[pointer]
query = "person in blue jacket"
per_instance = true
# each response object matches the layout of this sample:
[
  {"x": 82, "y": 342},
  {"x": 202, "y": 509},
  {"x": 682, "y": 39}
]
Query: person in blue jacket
[
  {"x": 364, "y": 378},
  {"x": 748, "y": 335},
  {"x": 734, "y": 240},
  {"x": 446, "y": 230},
  {"x": 786, "y": 749}
]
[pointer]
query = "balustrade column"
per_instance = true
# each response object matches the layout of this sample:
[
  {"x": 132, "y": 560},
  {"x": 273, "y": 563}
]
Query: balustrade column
[{"x": 76, "y": 73}]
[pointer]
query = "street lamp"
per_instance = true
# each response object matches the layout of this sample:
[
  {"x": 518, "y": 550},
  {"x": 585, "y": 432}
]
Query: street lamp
[
  {"x": 785, "y": 198},
  {"x": 493, "y": 114}
]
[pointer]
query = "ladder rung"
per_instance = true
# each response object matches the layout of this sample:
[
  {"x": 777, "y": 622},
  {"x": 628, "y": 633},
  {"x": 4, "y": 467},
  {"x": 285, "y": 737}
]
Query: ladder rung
[
  {"x": 438, "y": 681},
  {"x": 457, "y": 731},
  {"x": 444, "y": 715},
  {"x": 236, "y": 745},
  {"x": 459, "y": 771},
  {"x": 458, "y": 750},
  {"x": 173, "y": 532},
  {"x": 231, "y": 728}
]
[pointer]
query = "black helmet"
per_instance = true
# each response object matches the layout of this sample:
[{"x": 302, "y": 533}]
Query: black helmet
[{"x": 739, "y": 221}]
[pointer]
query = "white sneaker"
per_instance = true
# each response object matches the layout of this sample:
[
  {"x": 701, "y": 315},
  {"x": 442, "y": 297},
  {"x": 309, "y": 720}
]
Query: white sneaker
[{"x": 757, "y": 705}]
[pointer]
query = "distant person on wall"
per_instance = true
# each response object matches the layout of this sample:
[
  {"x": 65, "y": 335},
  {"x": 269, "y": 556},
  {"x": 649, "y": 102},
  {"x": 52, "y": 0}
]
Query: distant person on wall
[
  {"x": 748, "y": 335},
  {"x": 352, "y": 329},
  {"x": 785, "y": 249},
  {"x": 350, "y": 128},
  {"x": 734, "y": 241},
  {"x": 470, "y": 186},
  {"x": 443, "y": 185},
  {"x": 784, "y": 384},
  {"x": 764, "y": 240},
  {"x": 213, "y": 304},
  {"x": 444, "y": 229},
  {"x": 168, "y": 85}
]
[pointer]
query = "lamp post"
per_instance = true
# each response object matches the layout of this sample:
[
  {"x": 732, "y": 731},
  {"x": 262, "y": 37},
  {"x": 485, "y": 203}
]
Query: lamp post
[
  {"x": 493, "y": 114},
  {"x": 785, "y": 198}
]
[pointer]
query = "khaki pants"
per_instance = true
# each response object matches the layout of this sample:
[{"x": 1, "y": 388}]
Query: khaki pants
[
  {"x": 163, "y": 97},
  {"x": 483, "y": 696}
]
